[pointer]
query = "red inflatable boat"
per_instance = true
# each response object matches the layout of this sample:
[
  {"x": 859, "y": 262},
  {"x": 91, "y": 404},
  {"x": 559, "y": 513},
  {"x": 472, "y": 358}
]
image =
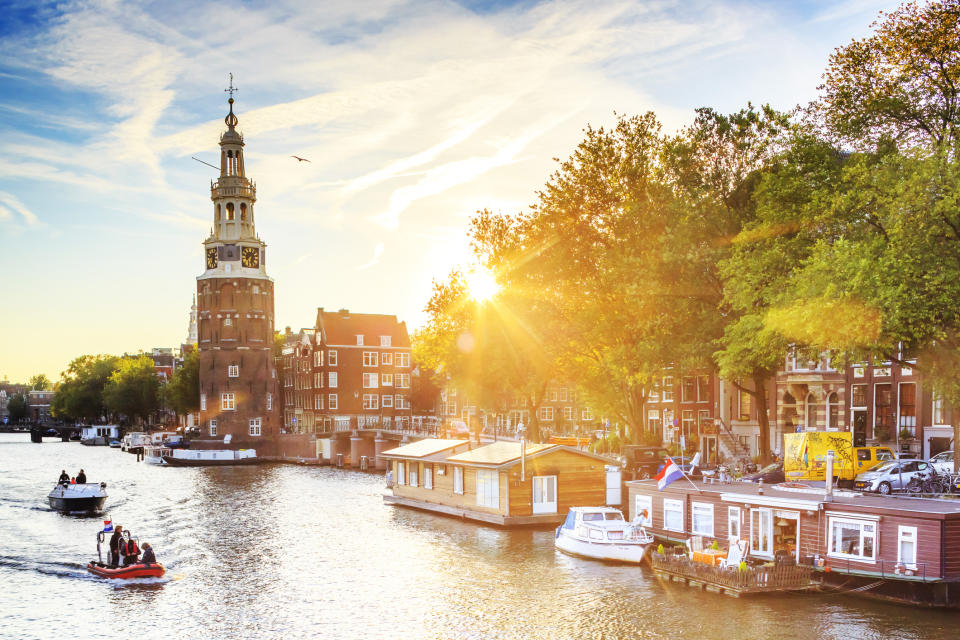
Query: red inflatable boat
[{"x": 139, "y": 570}]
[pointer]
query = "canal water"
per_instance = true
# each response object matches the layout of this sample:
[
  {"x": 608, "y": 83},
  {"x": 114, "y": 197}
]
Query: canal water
[{"x": 283, "y": 551}]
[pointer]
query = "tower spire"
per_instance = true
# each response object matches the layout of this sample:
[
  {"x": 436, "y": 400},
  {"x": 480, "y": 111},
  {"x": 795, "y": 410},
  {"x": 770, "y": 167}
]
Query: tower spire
[{"x": 231, "y": 119}]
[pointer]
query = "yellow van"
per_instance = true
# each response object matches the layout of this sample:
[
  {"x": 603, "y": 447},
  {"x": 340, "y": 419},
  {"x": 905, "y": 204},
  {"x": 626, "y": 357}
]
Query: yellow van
[{"x": 805, "y": 456}]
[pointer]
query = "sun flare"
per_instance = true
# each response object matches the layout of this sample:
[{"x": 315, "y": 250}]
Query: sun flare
[{"x": 482, "y": 285}]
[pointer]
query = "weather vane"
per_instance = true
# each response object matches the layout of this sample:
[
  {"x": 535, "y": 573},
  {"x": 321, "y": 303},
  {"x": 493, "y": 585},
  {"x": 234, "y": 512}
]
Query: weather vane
[{"x": 232, "y": 88}]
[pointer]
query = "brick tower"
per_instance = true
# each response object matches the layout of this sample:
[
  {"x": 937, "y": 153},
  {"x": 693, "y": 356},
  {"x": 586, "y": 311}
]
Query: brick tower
[{"x": 238, "y": 380}]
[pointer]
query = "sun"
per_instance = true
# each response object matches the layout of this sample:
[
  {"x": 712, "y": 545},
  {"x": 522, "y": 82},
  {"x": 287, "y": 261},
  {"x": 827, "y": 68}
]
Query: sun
[{"x": 481, "y": 284}]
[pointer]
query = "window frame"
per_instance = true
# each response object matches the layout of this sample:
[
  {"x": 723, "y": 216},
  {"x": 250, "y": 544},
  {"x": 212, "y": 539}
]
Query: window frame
[
  {"x": 212, "y": 428},
  {"x": 671, "y": 506},
  {"x": 387, "y": 401},
  {"x": 371, "y": 401},
  {"x": 332, "y": 358},
  {"x": 647, "y": 503},
  {"x": 911, "y": 532},
  {"x": 228, "y": 401},
  {"x": 861, "y": 523},
  {"x": 488, "y": 489},
  {"x": 233, "y": 371},
  {"x": 255, "y": 427},
  {"x": 370, "y": 359},
  {"x": 371, "y": 380},
  {"x": 734, "y": 516},
  {"x": 332, "y": 403},
  {"x": 458, "y": 480},
  {"x": 701, "y": 506},
  {"x": 332, "y": 380}
]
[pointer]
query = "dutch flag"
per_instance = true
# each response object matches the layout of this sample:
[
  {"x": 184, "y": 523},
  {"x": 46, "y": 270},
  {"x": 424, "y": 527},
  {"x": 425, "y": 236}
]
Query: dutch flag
[
  {"x": 108, "y": 525},
  {"x": 668, "y": 474}
]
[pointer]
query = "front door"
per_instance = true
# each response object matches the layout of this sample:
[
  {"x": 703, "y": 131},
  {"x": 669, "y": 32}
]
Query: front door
[
  {"x": 761, "y": 532},
  {"x": 544, "y": 494},
  {"x": 859, "y": 428}
]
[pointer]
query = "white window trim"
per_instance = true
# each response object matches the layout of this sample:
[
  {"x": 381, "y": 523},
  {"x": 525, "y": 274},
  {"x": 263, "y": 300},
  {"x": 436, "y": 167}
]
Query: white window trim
[
  {"x": 228, "y": 402},
  {"x": 370, "y": 359},
  {"x": 912, "y": 533},
  {"x": 332, "y": 403},
  {"x": 203, "y": 402},
  {"x": 492, "y": 480},
  {"x": 332, "y": 358},
  {"x": 672, "y": 505},
  {"x": 458, "y": 480},
  {"x": 401, "y": 470},
  {"x": 371, "y": 381},
  {"x": 233, "y": 371},
  {"x": 734, "y": 515},
  {"x": 255, "y": 428},
  {"x": 386, "y": 358},
  {"x": 332, "y": 379},
  {"x": 386, "y": 379},
  {"x": 387, "y": 401},
  {"x": 641, "y": 503},
  {"x": 213, "y": 428},
  {"x": 693, "y": 521},
  {"x": 857, "y": 521},
  {"x": 427, "y": 477},
  {"x": 269, "y": 401}
]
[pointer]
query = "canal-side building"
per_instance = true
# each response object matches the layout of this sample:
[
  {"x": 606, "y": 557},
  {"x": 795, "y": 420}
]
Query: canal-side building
[
  {"x": 238, "y": 385},
  {"x": 497, "y": 483}
]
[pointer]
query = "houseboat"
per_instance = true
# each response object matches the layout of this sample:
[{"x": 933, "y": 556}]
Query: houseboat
[
  {"x": 897, "y": 548},
  {"x": 99, "y": 434},
  {"x": 504, "y": 483}
]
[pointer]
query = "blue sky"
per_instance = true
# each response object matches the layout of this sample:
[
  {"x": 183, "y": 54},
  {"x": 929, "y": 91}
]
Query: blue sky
[{"x": 414, "y": 115}]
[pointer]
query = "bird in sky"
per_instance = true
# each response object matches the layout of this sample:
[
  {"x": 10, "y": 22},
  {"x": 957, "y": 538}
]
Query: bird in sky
[{"x": 300, "y": 159}]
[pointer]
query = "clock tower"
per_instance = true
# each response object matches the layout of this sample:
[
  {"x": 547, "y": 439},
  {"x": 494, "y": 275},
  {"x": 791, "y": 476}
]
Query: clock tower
[{"x": 238, "y": 379}]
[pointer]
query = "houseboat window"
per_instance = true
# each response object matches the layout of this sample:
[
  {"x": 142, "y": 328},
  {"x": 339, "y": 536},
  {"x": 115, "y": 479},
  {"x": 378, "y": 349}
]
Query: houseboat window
[
  {"x": 701, "y": 515},
  {"x": 907, "y": 546},
  {"x": 733, "y": 523},
  {"x": 853, "y": 539},
  {"x": 673, "y": 515},
  {"x": 428, "y": 477},
  {"x": 643, "y": 510},
  {"x": 401, "y": 478},
  {"x": 761, "y": 532},
  {"x": 412, "y": 476},
  {"x": 458, "y": 480},
  {"x": 488, "y": 488}
]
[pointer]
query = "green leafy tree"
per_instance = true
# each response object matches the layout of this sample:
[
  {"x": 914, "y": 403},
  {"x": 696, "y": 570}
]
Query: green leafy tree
[
  {"x": 133, "y": 390},
  {"x": 40, "y": 382},
  {"x": 182, "y": 393},
  {"x": 80, "y": 393},
  {"x": 17, "y": 407},
  {"x": 901, "y": 83}
]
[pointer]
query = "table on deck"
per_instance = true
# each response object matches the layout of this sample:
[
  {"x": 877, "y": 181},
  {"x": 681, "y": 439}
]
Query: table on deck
[{"x": 711, "y": 557}]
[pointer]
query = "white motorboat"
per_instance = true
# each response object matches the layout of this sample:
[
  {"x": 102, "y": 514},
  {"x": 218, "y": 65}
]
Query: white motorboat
[
  {"x": 601, "y": 533},
  {"x": 154, "y": 455},
  {"x": 211, "y": 457},
  {"x": 78, "y": 498}
]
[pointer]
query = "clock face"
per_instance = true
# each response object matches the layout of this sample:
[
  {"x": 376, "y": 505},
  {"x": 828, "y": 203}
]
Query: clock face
[
  {"x": 251, "y": 257},
  {"x": 212, "y": 258}
]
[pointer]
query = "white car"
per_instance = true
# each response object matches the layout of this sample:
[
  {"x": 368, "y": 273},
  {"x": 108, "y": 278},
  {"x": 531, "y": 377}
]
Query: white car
[{"x": 943, "y": 462}]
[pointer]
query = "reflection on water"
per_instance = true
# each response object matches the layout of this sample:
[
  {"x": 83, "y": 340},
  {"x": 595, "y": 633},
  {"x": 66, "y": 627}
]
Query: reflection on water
[{"x": 290, "y": 551}]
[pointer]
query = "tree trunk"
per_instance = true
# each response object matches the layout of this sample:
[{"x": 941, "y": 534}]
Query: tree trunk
[
  {"x": 763, "y": 419},
  {"x": 955, "y": 421}
]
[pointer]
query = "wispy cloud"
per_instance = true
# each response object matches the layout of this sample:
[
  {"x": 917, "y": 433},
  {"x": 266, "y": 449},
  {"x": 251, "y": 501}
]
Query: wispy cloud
[
  {"x": 377, "y": 252},
  {"x": 9, "y": 204}
]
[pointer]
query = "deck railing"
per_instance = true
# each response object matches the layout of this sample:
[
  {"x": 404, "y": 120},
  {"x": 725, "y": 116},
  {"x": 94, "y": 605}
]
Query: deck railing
[{"x": 778, "y": 577}]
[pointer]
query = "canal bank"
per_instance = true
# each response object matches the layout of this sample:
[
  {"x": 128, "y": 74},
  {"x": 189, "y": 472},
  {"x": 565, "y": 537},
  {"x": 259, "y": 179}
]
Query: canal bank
[{"x": 297, "y": 551}]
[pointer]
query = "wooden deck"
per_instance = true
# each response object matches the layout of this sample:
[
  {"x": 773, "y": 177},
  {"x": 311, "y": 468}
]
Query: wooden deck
[
  {"x": 732, "y": 582},
  {"x": 545, "y": 520}
]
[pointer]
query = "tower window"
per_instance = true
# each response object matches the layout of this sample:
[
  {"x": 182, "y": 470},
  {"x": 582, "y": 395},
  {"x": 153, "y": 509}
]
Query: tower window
[
  {"x": 218, "y": 213},
  {"x": 243, "y": 210},
  {"x": 229, "y": 211}
]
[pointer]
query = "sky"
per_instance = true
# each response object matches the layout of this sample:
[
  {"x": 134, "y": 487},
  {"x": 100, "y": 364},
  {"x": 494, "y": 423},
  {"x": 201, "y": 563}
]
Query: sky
[{"x": 414, "y": 115}]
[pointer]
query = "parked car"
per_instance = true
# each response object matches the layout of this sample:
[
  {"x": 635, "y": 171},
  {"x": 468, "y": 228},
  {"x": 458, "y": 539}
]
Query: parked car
[
  {"x": 175, "y": 442},
  {"x": 943, "y": 462},
  {"x": 641, "y": 461},
  {"x": 891, "y": 476},
  {"x": 770, "y": 474}
]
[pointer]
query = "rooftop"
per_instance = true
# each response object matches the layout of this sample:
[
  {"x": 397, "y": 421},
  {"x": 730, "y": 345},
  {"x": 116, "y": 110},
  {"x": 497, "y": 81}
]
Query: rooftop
[
  {"x": 423, "y": 448},
  {"x": 498, "y": 453}
]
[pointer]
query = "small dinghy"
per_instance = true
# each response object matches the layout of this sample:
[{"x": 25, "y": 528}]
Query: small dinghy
[
  {"x": 137, "y": 570},
  {"x": 601, "y": 533},
  {"x": 78, "y": 498}
]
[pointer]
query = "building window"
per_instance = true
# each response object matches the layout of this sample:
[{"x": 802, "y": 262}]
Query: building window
[
  {"x": 403, "y": 380},
  {"x": 587, "y": 414},
  {"x": 227, "y": 402},
  {"x": 317, "y": 402},
  {"x": 385, "y": 341},
  {"x": 403, "y": 359},
  {"x": 269, "y": 402},
  {"x": 401, "y": 478},
  {"x": 688, "y": 389},
  {"x": 203, "y": 402},
  {"x": 451, "y": 409},
  {"x": 938, "y": 413},
  {"x": 318, "y": 358},
  {"x": 387, "y": 402},
  {"x": 213, "y": 428},
  {"x": 643, "y": 510},
  {"x": 907, "y": 546},
  {"x": 704, "y": 419},
  {"x": 810, "y": 413},
  {"x": 359, "y": 340},
  {"x": 318, "y": 379},
  {"x": 332, "y": 402},
  {"x": 908, "y": 409},
  {"x": 331, "y": 379},
  {"x": 332, "y": 357},
  {"x": 488, "y": 488},
  {"x": 427, "y": 475},
  {"x": 371, "y": 401},
  {"x": 458, "y": 480},
  {"x": 703, "y": 388},
  {"x": 733, "y": 523},
  {"x": 233, "y": 371},
  {"x": 853, "y": 539},
  {"x": 667, "y": 388},
  {"x": 672, "y": 515},
  {"x": 386, "y": 358},
  {"x": 546, "y": 414},
  {"x": 402, "y": 402},
  {"x": 746, "y": 406},
  {"x": 228, "y": 322},
  {"x": 701, "y": 516},
  {"x": 883, "y": 413},
  {"x": 653, "y": 420},
  {"x": 386, "y": 380},
  {"x": 369, "y": 358},
  {"x": 568, "y": 413},
  {"x": 564, "y": 394},
  {"x": 370, "y": 381},
  {"x": 687, "y": 422},
  {"x": 255, "y": 426}
]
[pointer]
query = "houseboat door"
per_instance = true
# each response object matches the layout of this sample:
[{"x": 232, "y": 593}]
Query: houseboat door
[
  {"x": 786, "y": 534},
  {"x": 544, "y": 494},
  {"x": 761, "y": 532}
]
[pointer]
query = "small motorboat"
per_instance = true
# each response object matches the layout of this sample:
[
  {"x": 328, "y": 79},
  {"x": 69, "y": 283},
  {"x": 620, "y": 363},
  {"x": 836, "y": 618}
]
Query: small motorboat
[
  {"x": 154, "y": 455},
  {"x": 138, "y": 570},
  {"x": 78, "y": 498},
  {"x": 601, "y": 533},
  {"x": 210, "y": 457}
]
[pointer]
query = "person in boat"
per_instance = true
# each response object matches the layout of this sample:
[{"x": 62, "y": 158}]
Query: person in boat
[
  {"x": 148, "y": 556},
  {"x": 81, "y": 477},
  {"x": 64, "y": 477},
  {"x": 130, "y": 551},
  {"x": 115, "y": 541}
]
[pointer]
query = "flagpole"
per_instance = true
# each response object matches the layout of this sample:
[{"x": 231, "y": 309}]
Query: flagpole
[{"x": 680, "y": 469}]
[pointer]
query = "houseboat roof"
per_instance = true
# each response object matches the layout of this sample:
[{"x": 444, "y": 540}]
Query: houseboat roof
[
  {"x": 810, "y": 498},
  {"x": 423, "y": 448},
  {"x": 498, "y": 453}
]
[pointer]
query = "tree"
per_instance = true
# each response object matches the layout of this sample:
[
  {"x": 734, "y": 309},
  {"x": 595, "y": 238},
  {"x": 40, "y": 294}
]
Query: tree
[
  {"x": 424, "y": 391},
  {"x": 40, "y": 382},
  {"x": 182, "y": 393},
  {"x": 901, "y": 83},
  {"x": 80, "y": 393},
  {"x": 133, "y": 389},
  {"x": 17, "y": 407}
]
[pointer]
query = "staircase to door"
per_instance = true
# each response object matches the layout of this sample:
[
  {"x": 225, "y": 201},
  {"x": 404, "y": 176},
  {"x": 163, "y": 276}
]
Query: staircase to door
[{"x": 731, "y": 447}]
